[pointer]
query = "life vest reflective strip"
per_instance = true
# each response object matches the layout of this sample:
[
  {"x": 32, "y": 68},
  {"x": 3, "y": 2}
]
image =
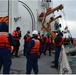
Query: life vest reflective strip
[
  {"x": 35, "y": 48},
  {"x": 60, "y": 43},
  {"x": 14, "y": 34},
  {"x": 28, "y": 38},
  {"x": 4, "y": 43},
  {"x": 48, "y": 40}
]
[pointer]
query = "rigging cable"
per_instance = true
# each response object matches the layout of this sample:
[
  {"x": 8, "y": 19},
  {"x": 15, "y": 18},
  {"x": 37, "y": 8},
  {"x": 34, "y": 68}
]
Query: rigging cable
[
  {"x": 64, "y": 18},
  {"x": 66, "y": 23},
  {"x": 62, "y": 23}
]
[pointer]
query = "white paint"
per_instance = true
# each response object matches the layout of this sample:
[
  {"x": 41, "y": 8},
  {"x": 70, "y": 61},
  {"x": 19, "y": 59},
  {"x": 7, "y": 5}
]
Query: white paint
[{"x": 25, "y": 22}]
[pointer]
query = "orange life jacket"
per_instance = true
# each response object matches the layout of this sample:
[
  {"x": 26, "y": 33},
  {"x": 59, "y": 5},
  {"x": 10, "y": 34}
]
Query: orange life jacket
[
  {"x": 48, "y": 40},
  {"x": 42, "y": 41},
  {"x": 60, "y": 43},
  {"x": 74, "y": 42},
  {"x": 35, "y": 48},
  {"x": 28, "y": 38},
  {"x": 4, "y": 43},
  {"x": 15, "y": 33}
]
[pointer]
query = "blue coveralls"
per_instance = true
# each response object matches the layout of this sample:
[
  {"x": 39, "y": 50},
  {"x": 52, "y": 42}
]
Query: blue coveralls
[
  {"x": 25, "y": 44},
  {"x": 32, "y": 59},
  {"x": 5, "y": 56},
  {"x": 42, "y": 44},
  {"x": 57, "y": 53},
  {"x": 57, "y": 50},
  {"x": 48, "y": 46},
  {"x": 16, "y": 47}
]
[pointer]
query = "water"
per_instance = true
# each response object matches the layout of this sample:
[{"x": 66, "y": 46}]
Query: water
[
  {"x": 72, "y": 62},
  {"x": 71, "y": 53}
]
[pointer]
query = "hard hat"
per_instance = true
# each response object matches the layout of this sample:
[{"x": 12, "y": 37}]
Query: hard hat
[
  {"x": 48, "y": 33},
  {"x": 58, "y": 30},
  {"x": 35, "y": 32},
  {"x": 28, "y": 32}
]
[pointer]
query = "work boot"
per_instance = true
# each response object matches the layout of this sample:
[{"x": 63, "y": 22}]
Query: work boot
[
  {"x": 17, "y": 56},
  {"x": 24, "y": 54},
  {"x": 53, "y": 62},
  {"x": 49, "y": 54},
  {"x": 12, "y": 56},
  {"x": 55, "y": 66},
  {"x": 44, "y": 53}
]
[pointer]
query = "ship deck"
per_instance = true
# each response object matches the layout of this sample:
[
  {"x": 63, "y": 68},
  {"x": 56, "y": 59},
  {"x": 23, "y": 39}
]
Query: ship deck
[{"x": 44, "y": 63}]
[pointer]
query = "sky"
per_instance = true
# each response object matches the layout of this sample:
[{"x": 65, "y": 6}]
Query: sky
[{"x": 68, "y": 14}]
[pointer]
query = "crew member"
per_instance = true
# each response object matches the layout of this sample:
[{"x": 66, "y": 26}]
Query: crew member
[
  {"x": 17, "y": 36},
  {"x": 39, "y": 38},
  {"x": 48, "y": 44},
  {"x": 6, "y": 41},
  {"x": 59, "y": 41},
  {"x": 32, "y": 53},
  {"x": 27, "y": 38},
  {"x": 43, "y": 38}
]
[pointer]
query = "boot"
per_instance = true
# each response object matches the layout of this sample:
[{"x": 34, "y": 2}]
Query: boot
[
  {"x": 55, "y": 66},
  {"x": 53, "y": 62}
]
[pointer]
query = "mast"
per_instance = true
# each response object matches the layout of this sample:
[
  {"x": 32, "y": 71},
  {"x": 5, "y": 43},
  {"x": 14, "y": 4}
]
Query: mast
[
  {"x": 10, "y": 14},
  {"x": 13, "y": 14}
]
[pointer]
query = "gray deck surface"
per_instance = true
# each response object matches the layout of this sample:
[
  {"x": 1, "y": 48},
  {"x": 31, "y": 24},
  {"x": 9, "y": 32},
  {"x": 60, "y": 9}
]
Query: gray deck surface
[{"x": 19, "y": 65}]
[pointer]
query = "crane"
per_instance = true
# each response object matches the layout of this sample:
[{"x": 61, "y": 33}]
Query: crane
[
  {"x": 49, "y": 11},
  {"x": 51, "y": 20}
]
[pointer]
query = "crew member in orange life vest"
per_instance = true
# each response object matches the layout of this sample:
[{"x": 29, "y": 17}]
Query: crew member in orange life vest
[
  {"x": 39, "y": 36},
  {"x": 27, "y": 38},
  {"x": 43, "y": 39},
  {"x": 59, "y": 41},
  {"x": 6, "y": 41},
  {"x": 17, "y": 36},
  {"x": 48, "y": 44},
  {"x": 32, "y": 53}
]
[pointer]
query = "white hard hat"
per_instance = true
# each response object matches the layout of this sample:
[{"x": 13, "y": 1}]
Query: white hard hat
[{"x": 35, "y": 32}]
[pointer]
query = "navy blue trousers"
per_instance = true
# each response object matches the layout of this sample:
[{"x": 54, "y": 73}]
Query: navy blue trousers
[
  {"x": 57, "y": 53},
  {"x": 25, "y": 47},
  {"x": 48, "y": 46},
  {"x": 32, "y": 63},
  {"x": 42, "y": 48},
  {"x": 5, "y": 60}
]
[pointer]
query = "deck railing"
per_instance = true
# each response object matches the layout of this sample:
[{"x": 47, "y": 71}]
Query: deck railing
[{"x": 64, "y": 67}]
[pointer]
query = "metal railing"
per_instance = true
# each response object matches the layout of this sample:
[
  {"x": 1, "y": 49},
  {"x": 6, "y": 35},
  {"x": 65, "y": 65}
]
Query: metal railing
[{"x": 64, "y": 67}]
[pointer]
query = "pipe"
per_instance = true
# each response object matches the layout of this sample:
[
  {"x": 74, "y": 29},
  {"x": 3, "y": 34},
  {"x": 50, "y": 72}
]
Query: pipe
[{"x": 31, "y": 14}]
